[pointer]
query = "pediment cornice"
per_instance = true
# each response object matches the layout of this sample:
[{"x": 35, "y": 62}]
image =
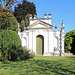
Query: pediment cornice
[{"x": 44, "y": 24}]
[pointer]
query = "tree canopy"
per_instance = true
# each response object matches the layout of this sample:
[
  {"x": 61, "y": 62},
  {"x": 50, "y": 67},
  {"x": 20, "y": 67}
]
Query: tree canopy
[
  {"x": 8, "y": 22},
  {"x": 70, "y": 41},
  {"x": 23, "y": 9},
  {"x": 7, "y": 5}
]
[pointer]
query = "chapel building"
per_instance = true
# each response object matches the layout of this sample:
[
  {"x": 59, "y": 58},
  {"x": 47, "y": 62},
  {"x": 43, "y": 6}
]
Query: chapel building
[{"x": 39, "y": 37}]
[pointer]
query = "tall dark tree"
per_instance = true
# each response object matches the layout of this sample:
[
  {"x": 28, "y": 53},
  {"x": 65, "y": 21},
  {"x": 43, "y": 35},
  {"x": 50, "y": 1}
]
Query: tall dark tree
[
  {"x": 24, "y": 23},
  {"x": 23, "y": 9}
]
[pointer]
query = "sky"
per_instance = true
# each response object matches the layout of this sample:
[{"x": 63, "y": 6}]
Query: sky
[{"x": 60, "y": 10}]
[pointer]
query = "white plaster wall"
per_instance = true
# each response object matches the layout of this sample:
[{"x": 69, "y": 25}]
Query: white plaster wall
[
  {"x": 24, "y": 39},
  {"x": 30, "y": 40},
  {"x": 56, "y": 42},
  {"x": 51, "y": 41},
  {"x": 45, "y": 41},
  {"x": 23, "y": 42}
]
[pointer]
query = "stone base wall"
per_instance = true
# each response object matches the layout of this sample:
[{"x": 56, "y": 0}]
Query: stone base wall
[
  {"x": 54, "y": 54},
  {"x": 68, "y": 54},
  {"x": 51, "y": 54}
]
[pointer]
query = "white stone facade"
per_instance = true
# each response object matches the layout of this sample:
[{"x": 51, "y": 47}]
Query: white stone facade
[{"x": 53, "y": 41}]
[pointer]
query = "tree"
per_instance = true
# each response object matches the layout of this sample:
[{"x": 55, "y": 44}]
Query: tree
[
  {"x": 7, "y": 5},
  {"x": 8, "y": 22},
  {"x": 23, "y": 9},
  {"x": 24, "y": 23},
  {"x": 70, "y": 41}
]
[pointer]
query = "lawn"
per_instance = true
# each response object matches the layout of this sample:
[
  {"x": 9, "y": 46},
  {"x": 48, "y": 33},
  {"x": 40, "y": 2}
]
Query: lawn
[{"x": 40, "y": 65}]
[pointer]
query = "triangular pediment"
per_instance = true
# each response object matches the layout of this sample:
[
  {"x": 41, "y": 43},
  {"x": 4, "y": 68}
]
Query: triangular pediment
[{"x": 40, "y": 25}]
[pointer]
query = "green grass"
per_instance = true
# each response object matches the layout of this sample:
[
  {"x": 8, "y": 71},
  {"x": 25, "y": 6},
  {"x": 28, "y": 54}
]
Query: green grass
[{"x": 40, "y": 65}]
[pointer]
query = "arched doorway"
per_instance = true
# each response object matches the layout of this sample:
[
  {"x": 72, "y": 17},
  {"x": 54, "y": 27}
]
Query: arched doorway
[{"x": 39, "y": 45}]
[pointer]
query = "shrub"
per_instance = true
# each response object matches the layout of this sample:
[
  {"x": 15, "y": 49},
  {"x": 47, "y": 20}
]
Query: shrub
[
  {"x": 10, "y": 45},
  {"x": 32, "y": 54},
  {"x": 26, "y": 54}
]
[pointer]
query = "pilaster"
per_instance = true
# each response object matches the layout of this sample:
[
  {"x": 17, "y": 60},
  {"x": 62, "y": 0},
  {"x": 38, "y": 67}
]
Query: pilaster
[{"x": 62, "y": 39}]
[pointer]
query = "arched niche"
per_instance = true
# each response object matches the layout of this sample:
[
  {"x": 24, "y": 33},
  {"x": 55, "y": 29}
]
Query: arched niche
[{"x": 24, "y": 42}]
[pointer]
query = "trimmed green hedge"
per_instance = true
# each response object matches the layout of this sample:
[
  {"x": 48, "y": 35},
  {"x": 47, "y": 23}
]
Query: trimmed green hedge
[{"x": 10, "y": 45}]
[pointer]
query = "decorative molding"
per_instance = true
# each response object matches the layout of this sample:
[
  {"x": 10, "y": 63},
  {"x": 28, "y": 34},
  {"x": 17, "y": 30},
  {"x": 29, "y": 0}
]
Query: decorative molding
[{"x": 40, "y": 22}]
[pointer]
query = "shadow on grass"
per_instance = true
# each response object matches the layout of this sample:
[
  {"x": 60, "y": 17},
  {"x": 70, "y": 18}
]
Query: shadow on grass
[
  {"x": 71, "y": 57},
  {"x": 40, "y": 67},
  {"x": 53, "y": 67}
]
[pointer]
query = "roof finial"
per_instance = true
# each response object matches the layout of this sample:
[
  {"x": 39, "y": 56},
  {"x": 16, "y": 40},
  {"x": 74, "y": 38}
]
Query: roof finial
[
  {"x": 62, "y": 23},
  {"x": 30, "y": 15},
  {"x": 56, "y": 27},
  {"x": 45, "y": 15},
  {"x": 34, "y": 16},
  {"x": 49, "y": 15}
]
